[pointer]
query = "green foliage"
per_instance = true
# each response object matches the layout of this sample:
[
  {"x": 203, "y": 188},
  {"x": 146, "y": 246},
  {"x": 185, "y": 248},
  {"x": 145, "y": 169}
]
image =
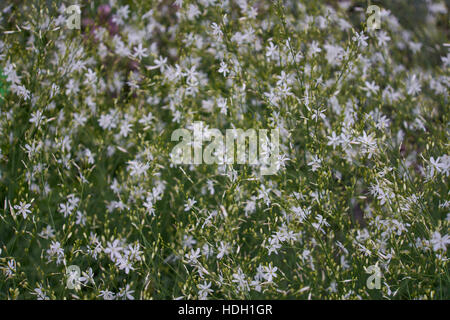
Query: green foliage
[{"x": 86, "y": 177}]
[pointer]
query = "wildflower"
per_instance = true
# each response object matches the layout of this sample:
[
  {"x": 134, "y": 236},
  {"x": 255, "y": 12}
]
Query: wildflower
[
  {"x": 189, "y": 204},
  {"x": 371, "y": 88},
  {"x": 241, "y": 279},
  {"x": 23, "y": 209},
  {"x": 113, "y": 249},
  {"x": 224, "y": 69},
  {"x": 435, "y": 166},
  {"x": 65, "y": 209},
  {"x": 223, "y": 250},
  {"x": 333, "y": 140},
  {"x": 383, "y": 38},
  {"x": 10, "y": 269},
  {"x": 301, "y": 213},
  {"x": 137, "y": 168},
  {"x": 107, "y": 295},
  {"x": 273, "y": 246},
  {"x": 140, "y": 52},
  {"x": 160, "y": 63},
  {"x": 188, "y": 241},
  {"x": 270, "y": 273},
  {"x": 440, "y": 242},
  {"x": 314, "y": 49},
  {"x": 37, "y": 117},
  {"x": 87, "y": 277},
  {"x": 40, "y": 293},
  {"x": 315, "y": 163},
  {"x": 47, "y": 232},
  {"x": 360, "y": 38},
  {"x": 222, "y": 104},
  {"x": 148, "y": 204},
  {"x": 125, "y": 293},
  {"x": 55, "y": 252},
  {"x": 272, "y": 51},
  {"x": 368, "y": 143},
  {"x": 413, "y": 85},
  {"x": 124, "y": 264},
  {"x": 193, "y": 256},
  {"x": 204, "y": 290}
]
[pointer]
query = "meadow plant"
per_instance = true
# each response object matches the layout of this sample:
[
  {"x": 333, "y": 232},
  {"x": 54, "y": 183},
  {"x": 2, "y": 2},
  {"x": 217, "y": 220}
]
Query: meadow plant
[{"x": 92, "y": 205}]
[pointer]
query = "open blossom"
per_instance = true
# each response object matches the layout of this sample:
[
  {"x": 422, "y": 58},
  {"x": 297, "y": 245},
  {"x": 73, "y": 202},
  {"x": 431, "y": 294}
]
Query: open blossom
[
  {"x": 40, "y": 294},
  {"x": 107, "y": 295},
  {"x": 371, "y": 88},
  {"x": 413, "y": 85},
  {"x": 137, "y": 168},
  {"x": 223, "y": 68},
  {"x": 10, "y": 268},
  {"x": 272, "y": 50},
  {"x": 139, "y": 52},
  {"x": 315, "y": 162},
  {"x": 160, "y": 63},
  {"x": 113, "y": 249},
  {"x": 55, "y": 252},
  {"x": 334, "y": 140},
  {"x": 223, "y": 250},
  {"x": 360, "y": 38},
  {"x": 270, "y": 273},
  {"x": 189, "y": 204},
  {"x": 204, "y": 289},
  {"x": 440, "y": 242},
  {"x": 23, "y": 209}
]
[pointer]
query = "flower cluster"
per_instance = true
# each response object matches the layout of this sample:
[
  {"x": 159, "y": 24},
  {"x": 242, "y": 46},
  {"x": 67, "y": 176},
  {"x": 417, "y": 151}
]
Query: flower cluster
[{"x": 86, "y": 177}]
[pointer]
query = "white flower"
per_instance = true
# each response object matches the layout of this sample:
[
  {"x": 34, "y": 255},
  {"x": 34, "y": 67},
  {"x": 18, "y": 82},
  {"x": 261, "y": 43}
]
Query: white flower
[
  {"x": 107, "y": 295},
  {"x": 10, "y": 269},
  {"x": 126, "y": 293},
  {"x": 241, "y": 279},
  {"x": 87, "y": 277},
  {"x": 140, "y": 52},
  {"x": 435, "y": 166},
  {"x": 270, "y": 273},
  {"x": 39, "y": 292},
  {"x": 113, "y": 249},
  {"x": 224, "y": 68},
  {"x": 334, "y": 140},
  {"x": 37, "y": 117},
  {"x": 137, "y": 168},
  {"x": 371, "y": 88},
  {"x": 272, "y": 51},
  {"x": 440, "y": 242},
  {"x": 383, "y": 38},
  {"x": 189, "y": 204},
  {"x": 148, "y": 204},
  {"x": 360, "y": 38},
  {"x": 222, "y": 104},
  {"x": 223, "y": 250},
  {"x": 315, "y": 163},
  {"x": 160, "y": 63},
  {"x": 22, "y": 209},
  {"x": 204, "y": 290},
  {"x": 413, "y": 86}
]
